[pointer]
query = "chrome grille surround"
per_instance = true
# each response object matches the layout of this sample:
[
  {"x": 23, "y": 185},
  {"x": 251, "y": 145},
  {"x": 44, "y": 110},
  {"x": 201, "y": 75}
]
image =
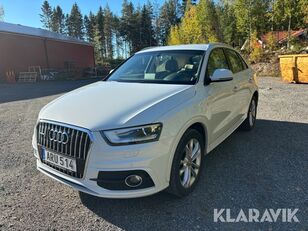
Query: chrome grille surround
[{"x": 77, "y": 146}]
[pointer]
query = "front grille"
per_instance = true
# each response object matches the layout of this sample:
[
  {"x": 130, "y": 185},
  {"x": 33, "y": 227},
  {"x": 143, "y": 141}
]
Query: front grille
[{"x": 76, "y": 146}]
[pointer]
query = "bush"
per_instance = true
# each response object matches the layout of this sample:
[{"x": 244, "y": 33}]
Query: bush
[
  {"x": 110, "y": 63},
  {"x": 272, "y": 42},
  {"x": 256, "y": 51},
  {"x": 256, "y": 54}
]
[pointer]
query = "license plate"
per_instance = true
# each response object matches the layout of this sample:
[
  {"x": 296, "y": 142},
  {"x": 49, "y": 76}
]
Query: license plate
[{"x": 59, "y": 160}]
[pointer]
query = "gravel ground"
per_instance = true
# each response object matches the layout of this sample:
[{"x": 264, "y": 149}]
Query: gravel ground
[{"x": 265, "y": 168}]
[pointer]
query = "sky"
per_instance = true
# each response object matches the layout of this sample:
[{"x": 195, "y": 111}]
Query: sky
[{"x": 26, "y": 12}]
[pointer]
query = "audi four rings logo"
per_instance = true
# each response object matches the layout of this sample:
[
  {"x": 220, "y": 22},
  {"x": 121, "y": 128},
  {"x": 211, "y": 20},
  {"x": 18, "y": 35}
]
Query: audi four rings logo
[{"x": 58, "y": 136}]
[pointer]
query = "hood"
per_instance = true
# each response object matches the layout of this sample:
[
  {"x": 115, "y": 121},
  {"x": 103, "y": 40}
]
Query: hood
[{"x": 108, "y": 105}]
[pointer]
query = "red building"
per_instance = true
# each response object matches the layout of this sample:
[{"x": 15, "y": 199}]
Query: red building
[{"x": 22, "y": 47}]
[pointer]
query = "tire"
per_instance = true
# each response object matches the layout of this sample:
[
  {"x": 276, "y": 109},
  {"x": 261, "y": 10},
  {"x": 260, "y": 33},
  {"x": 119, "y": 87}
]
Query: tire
[
  {"x": 185, "y": 171},
  {"x": 249, "y": 123}
]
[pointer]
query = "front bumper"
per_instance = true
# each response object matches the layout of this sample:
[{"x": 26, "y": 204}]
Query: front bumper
[{"x": 153, "y": 158}]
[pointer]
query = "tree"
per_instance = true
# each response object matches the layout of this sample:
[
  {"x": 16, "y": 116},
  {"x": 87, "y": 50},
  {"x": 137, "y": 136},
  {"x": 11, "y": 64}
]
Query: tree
[
  {"x": 303, "y": 4},
  {"x": 293, "y": 12},
  {"x": 227, "y": 21},
  {"x": 118, "y": 39},
  {"x": 256, "y": 53},
  {"x": 271, "y": 41},
  {"x": 146, "y": 27},
  {"x": 251, "y": 16},
  {"x": 98, "y": 46},
  {"x": 75, "y": 22},
  {"x": 1, "y": 14},
  {"x": 178, "y": 22},
  {"x": 189, "y": 31},
  {"x": 57, "y": 20},
  {"x": 67, "y": 28},
  {"x": 185, "y": 3},
  {"x": 169, "y": 16},
  {"x": 175, "y": 37},
  {"x": 108, "y": 32},
  {"x": 208, "y": 21},
  {"x": 128, "y": 28},
  {"x": 89, "y": 25},
  {"x": 289, "y": 14},
  {"x": 46, "y": 16},
  {"x": 199, "y": 24},
  {"x": 100, "y": 34}
]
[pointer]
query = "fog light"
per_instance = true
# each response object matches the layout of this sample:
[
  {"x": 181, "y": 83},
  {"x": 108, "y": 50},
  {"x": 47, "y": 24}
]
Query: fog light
[{"x": 133, "y": 181}]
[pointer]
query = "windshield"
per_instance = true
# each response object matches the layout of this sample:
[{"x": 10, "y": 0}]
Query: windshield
[{"x": 173, "y": 67}]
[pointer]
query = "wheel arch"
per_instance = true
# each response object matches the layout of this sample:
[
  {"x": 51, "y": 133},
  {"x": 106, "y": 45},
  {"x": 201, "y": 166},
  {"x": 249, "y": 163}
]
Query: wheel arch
[
  {"x": 196, "y": 124},
  {"x": 200, "y": 127},
  {"x": 256, "y": 94}
]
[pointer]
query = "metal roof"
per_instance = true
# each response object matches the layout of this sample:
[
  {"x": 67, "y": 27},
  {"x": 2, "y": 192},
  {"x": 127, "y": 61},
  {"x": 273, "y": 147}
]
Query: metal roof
[
  {"x": 37, "y": 32},
  {"x": 282, "y": 36}
]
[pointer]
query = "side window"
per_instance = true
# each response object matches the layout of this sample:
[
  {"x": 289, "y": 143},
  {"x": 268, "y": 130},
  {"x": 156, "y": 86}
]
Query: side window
[
  {"x": 217, "y": 60},
  {"x": 235, "y": 61},
  {"x": 243, "y": 62}
]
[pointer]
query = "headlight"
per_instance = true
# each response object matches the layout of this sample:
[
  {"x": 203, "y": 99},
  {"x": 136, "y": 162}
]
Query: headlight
[{"x": 133, "y": 135}]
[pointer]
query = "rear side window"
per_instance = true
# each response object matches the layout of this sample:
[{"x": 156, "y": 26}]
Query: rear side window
[
  {"x": 245, "y": 66},
  {"x": 236, "y": 63},
  {"x": 217, "y": 60}
]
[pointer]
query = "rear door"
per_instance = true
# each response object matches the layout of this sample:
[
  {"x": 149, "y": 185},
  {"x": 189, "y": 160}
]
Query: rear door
[{"x": 241, "y": 80}]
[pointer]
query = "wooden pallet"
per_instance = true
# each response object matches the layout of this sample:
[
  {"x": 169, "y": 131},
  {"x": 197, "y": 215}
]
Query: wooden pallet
[{"x": 27, "y": 77}]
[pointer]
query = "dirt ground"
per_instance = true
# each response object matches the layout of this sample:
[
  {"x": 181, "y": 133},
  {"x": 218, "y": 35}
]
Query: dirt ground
[{"x": 265, "y": 168}]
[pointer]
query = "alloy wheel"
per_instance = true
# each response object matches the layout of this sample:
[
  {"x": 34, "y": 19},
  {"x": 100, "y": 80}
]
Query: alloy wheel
[
  {"x": 190, "y": 163},
  {"x": 252, "y": 112}
]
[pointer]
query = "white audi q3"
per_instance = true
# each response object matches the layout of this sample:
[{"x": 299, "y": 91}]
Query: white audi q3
[{"x": 148, "y": 125}]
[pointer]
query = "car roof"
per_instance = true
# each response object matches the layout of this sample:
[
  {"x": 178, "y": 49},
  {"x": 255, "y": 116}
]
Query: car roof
[{"x": 201, "y": 47}]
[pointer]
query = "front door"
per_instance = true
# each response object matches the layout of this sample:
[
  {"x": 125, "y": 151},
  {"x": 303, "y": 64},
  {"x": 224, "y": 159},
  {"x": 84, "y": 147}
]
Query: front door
[{"x": 219, "y": 98}]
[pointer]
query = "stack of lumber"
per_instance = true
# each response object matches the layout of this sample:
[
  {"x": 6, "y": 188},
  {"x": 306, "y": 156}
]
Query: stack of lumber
[{"x": 28, "y": 77}]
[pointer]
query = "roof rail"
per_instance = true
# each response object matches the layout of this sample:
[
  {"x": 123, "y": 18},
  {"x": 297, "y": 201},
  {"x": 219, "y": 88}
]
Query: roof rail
[{"x": 147, "y": 48}]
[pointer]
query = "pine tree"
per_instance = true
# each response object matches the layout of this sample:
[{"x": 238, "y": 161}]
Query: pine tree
[
  {"x": 226, "y": 17},
  {"x": 87, "y": 27},
  {"x": 199, "y": 24},
  {"x": 303, "y": 5},
  {"x": 175, "y": 37},
  {"x": 189, "y": 31},
  {"x": 100, "y": 33},
  {"x": 97, "y": 45},
  {"x": 57, "y": 20},
  {"x": 118, "y": 39},
  {"x": 108, "y": 32},
  {"x": 169, "y": 16},
  {"x": 75, "y": 22},
  {"x": 128, "y": 29},
  {"x": 89, "y": 24},
  {"x": 1, "y": 14},
  {"x": 67, "y": 26},
  {"x": 287, "y": 13},
  {"x": 46, "y": 16},
  {"x": 146, "y": 26},
  {"x": 208, "y": 20},
  {"x": 251, "y": 16},
  {"x": 186, "y": 3}
]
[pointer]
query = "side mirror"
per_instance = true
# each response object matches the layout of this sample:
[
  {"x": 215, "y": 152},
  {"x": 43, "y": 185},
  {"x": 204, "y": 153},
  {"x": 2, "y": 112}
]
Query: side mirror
[
  {"x": 111, "y": 71},
  {"x": 221, "y": 75}
]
